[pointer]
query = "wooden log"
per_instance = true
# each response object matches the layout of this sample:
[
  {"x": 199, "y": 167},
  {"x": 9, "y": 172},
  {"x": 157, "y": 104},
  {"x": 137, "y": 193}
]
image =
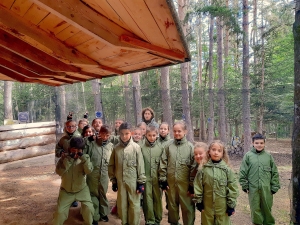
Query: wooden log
[
  {"x": 27, "y": 142},
  {"x": 27, "y": 125},
  {"x": 16, "y": 134},
  {"x": 14, "y": 155}
]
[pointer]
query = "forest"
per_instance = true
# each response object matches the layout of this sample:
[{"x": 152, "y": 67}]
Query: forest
[{"x": 240, "y": 78}]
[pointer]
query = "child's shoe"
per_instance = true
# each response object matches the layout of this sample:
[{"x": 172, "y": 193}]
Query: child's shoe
[
  {"x": 104, "y": 219},
  {"x": 114, "y": 210},
  {"x": 74, "y": 204},
  {"x": 95, "y": 222}
]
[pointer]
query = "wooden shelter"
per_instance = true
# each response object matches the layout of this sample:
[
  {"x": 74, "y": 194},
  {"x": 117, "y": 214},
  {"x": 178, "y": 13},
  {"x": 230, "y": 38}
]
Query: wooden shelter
[{"x": 57, "y": 42}]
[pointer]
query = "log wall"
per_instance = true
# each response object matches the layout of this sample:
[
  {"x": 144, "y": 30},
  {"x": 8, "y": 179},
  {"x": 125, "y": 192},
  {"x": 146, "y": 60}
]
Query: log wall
[{"x": 22, "y": 141}]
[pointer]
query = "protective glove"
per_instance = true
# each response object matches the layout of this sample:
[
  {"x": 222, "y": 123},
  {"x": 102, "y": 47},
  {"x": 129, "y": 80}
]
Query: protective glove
[
  {"x": 91, "y": 138},
  {"x": 115, "y": 187},
  {"x": 273, "y": 192},
  {"x": 191, "y": 189},
  {"x": 140, "y": 188},
  {"x": 72, "y": 155},
  {"x": 79, "y": 154},
  {"x": 230, "y": 211},
  {"x": 200, "y": 206},
  {"x": 246, "y": 191},
  {"x": 163, "y": 185}
]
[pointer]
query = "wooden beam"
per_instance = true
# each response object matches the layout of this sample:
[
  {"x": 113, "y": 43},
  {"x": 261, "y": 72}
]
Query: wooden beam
[
  {"x": 110, "y": 69},
  {"x": 81, "y": 16},
  {"x": 38, "y": 81},
  {"x": 75, "y": 78},
  {"x": 40, "y": 39},
  {"x": 27, "y": 51},
  {"x": 166, "y": 53},
  {"x": 21, "y": 70},
  {"x": 62, "y": 80}
]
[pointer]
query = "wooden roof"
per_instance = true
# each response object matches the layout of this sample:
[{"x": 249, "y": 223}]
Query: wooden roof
[{"x": 57, "y": 42}]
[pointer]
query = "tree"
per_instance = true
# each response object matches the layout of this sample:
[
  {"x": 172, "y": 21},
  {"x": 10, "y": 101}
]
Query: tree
[
  {"x": 184, "y": 67},
  {"x": 127, "y": 99},
  {"x": 8, "y": 112},
  {"x": 137, "y": 97},
  {"x": 295, "y": 179},
  {"x": 97, "y": 97},
  {"x": 166, "y": 98},
  {"x": 246, "y": 79}
]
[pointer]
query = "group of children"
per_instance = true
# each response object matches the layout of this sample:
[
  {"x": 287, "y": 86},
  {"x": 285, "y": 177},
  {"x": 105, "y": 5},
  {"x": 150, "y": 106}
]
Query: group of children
[{"x": 145, "y": 161}]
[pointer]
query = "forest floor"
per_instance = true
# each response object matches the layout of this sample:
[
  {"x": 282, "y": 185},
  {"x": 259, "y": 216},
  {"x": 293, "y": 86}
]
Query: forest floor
[{"x": 28, "y": 195}]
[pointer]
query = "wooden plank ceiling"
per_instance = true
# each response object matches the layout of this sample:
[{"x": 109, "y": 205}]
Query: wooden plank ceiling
[{"x": 57, "y": 42}]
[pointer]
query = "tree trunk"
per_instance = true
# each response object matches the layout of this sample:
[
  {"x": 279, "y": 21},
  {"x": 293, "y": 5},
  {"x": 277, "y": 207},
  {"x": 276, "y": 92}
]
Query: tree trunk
[
  {"x": 8, "y": 113},
  {"x": 295, "y": 179},
  {"x": 166, "y": 98},
  {"x": 60, "y": 110},
  {"x": 137, "y": 97},
  {"x": 184, "y": 68},
  {"x": 83, "y": 96},
  {"x": 221, "y": 92},
  {"x": 97, "y": 97},
  {"x": 246, "y": 80},
  {"x": 210, "y": 120},
  {"x": 127, "y": 99}
]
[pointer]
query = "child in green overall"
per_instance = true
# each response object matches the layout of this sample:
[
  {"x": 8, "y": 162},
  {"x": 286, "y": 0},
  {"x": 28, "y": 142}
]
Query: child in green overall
[
  {"x": 152, "y": 203},
  {"x": 260, "y": 179},
  {"x": 126, "y": 171},
  {"x": 216, "y": 187},
  {"x": 72, "y": 168},
  {"x": 176, "y": 176},
  {"x": 99, "y": 152}
]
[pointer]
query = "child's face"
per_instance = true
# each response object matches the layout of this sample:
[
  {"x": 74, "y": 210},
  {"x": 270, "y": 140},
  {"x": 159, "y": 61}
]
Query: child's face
[
  {"x": 82, "y": 124},
  {"x": 259, "y": 144},
  {"x": 74, "y": 151},
  {"x": 97, "y": 124},
  {"x": 88, "y": 132},
  {"x": 151, "y": 136},
  {"x": 147, "y": 115},
  {"x": 125, "y": 135},
  {"x": 164, "y": 130},
  {"x": 199, "y": 154},
  {"x": 178, "y": 131},
  {"x": 137, "y": 135},
  {"x": 216, "y": 152},
  {"x": 71, "y": 127},
  {"x": 117, "y": 124},
  {"x": 143, "y": 128},
  {"x": 103, "y": 136}
]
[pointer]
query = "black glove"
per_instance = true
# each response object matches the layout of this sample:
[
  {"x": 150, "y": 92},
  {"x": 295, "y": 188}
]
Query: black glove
[
  {"x": 191, "y": 189},
  {"x": 72, "y": 155},
  {"x": 246, "y": 191},
  {"x": 79, "y": 154},
  {"x": 200, "y": 206},
  {"x": 115, "y": 187},
  {"x": 163, "y": 185},
  {"x": 273, "y": 192},
  {"x": 91, "y": 138},
  {"x": 61, "y": 152},
  {"x": 230, "y": 211},
  {"x": 140, "y": 188}
]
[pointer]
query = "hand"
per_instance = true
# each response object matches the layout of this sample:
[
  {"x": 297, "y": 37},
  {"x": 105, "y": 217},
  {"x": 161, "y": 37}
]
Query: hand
[
  {"x": 91, "y": 138},
  {"x": 230, "y": 211},
  {"x": 80, "y": 153},
  {"x": 191, "y": 190},
  {"x": 200, "y": 206},
  {"x": 246, "y": 191},
  {"x": 115, "y": 187},
  {"x": 273, "y": 192},
  {"x": 164, "y": 185},
  {"x": 140, "y": 188}
]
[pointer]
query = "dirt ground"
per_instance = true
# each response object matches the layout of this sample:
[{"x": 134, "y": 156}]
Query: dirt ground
[{"x": 28, "y": 195}]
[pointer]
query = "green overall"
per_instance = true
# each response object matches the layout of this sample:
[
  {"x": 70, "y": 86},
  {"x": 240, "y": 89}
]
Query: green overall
[
  {"x": 259, "y": 175},
  {"x": 98, "y": 180},
  {"x": 126, "y": 168},
  {"x": 217, "y": 187},
  {"x": 176, "y": 166},
  {"x": 152, "y": 204},
  {"x": 73, "y": 188}
]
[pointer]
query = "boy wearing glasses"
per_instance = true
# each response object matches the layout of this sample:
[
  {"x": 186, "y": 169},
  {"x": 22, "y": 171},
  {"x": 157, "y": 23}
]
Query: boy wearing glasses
[{"x": 70, "y": 131}]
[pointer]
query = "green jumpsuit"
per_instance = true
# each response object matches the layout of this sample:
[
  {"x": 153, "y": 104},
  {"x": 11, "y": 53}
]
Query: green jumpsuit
[
  {"x": 217, "y": 187},
  {"x": 73, "y": 188},
  {"x": 64, "y": 143},
  {"x": 259, "y": 175},
  {"x": 98, "y": 180},
  {"x": 164, "y": 141},
  {"x": 152, "y": 204},
  {"x": 176, "y": 166},
  {"x": 126, "y": 168}
]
